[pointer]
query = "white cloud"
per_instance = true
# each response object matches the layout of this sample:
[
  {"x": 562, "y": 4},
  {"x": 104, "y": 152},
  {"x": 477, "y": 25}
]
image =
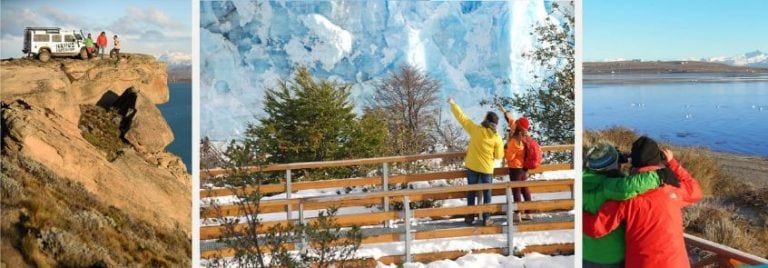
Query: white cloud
[
  {"x": 152, "y": 35},
  {"x": 137, "y": 20},
  {"x": 15, "y": 20},
  {"x": 61, "y": 18},
  {"x": 11, "y": 46}
]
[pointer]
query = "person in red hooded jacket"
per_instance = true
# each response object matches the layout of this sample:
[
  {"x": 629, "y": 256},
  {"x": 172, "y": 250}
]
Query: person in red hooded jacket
[
  {"x": 654, "y": 219},
  {"x": 101, "y": 42},
  {"x": 514, "y": 154}
]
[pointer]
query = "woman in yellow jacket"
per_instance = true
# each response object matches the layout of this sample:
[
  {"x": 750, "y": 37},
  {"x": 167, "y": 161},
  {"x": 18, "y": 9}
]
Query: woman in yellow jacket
[
  {"x": 485, "y": 146},
  {"x": 514, "y": 154}
]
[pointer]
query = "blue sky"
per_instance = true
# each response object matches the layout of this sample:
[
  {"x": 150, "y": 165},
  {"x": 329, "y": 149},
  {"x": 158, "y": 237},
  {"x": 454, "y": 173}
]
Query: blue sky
[
  {"x": 151, "y": 27},
  {"x": 664, "y": 29}
]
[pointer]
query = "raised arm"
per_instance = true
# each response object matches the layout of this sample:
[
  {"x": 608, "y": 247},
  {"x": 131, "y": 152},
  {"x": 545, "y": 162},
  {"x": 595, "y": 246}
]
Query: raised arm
[
  {"x": 689, "y": 187},
  {"x": 507, "y": 115},
  {"x": 464, "y": 121}
]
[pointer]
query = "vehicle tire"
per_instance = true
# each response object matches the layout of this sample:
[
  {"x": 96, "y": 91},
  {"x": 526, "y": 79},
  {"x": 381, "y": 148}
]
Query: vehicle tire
[
  {"x": 83, "y": 54},
  {"x": 44, "y": 55}
]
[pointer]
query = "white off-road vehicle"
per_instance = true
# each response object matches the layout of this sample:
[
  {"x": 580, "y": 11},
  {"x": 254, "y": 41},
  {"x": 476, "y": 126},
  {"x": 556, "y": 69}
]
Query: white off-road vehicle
[{"x": 45, "y": 42}]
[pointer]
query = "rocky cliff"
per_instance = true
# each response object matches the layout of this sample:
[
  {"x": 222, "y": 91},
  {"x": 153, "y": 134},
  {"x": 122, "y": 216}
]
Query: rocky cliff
[{"x": 85, "y": 164}]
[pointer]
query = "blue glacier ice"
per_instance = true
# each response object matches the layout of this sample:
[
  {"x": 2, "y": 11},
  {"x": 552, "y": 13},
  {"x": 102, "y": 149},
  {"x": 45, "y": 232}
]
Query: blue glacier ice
[{"x": 471, "y": 47}]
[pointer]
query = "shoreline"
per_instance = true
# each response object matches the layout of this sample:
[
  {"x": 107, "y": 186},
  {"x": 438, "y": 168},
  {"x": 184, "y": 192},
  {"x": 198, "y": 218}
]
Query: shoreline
[
  {"x": 672, "y": 78},
  {"x": 597, "y": 82},
  {"x": 750, "y": 169}
]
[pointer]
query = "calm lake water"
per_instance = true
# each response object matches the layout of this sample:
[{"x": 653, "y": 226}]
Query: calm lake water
[
  {"x": 178, "y": 114},
  {"x": 729, "y": 115}
]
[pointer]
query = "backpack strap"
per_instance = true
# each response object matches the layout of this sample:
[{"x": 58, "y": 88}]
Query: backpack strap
[{"x": 524, "y": 140}]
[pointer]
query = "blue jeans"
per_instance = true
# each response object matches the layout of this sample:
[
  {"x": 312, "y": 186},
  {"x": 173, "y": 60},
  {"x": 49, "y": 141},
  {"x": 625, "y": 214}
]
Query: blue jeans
[{"x": 475, "y": 178}]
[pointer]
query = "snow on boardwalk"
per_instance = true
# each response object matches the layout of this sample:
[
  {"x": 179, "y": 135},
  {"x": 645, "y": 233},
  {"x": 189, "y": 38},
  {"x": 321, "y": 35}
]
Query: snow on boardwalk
[
  {"x": 485, "y": 260},
  {"x": 467, "y": 244}
]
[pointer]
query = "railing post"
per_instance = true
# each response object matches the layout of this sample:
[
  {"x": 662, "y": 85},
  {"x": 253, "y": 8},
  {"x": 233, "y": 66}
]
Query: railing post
[
  {"x": 510, "y": 223},
  {"x": 303, "y": 224},
  {"x": 288, "y": 193},
  {"x": 385, "y": 188},
  {"x": 408, "y": 236}
]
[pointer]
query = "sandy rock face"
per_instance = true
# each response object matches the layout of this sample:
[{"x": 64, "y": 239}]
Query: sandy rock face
[
  {"x": 132, "y": 183},
  {"x": 63, "y": 83},
  {"x": 41, "y": 109},
  {"x": 146, "y": 129}
]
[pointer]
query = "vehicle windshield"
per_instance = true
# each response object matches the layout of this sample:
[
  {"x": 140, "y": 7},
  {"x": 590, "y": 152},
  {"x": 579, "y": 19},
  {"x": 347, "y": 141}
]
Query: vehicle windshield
[{"x": 78, "y": 36}]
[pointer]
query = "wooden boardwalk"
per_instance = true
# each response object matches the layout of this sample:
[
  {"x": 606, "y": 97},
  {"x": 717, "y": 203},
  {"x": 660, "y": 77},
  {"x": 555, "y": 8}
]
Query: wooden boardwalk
[{"x": 378, "y": 225}]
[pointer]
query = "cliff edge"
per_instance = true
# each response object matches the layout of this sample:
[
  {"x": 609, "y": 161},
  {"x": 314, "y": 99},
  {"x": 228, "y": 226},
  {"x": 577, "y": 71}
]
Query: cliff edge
[{"x": 86, "y": 179}]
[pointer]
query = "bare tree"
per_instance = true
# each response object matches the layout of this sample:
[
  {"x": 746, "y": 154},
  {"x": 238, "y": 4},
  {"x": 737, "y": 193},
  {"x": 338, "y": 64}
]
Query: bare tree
[
  {"x": 407, "y": 99},
  {"x": 210, "y": 156},
  {"x": 449, "y": 135}
]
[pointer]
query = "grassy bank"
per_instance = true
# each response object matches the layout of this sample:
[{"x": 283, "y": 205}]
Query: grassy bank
[
  {"x": 734, "y": 212},
  {"x": 50, "y": 221}
]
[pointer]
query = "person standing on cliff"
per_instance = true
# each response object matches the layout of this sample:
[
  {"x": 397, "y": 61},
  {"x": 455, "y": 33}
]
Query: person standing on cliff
[
  {"x": 101, "y": 42},
  {"x": 117, "y": 49},
  {"x": 89, "y": 45},
  {"x": 484, "y": 147}
]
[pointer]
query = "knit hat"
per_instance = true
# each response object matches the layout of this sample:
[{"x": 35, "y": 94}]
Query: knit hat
[
  {"x": 602, "y": 156},
  {"x": 523, "y": 122},
  {"x": 645, "y": 152},
  {"x": 491, "y": 120}
]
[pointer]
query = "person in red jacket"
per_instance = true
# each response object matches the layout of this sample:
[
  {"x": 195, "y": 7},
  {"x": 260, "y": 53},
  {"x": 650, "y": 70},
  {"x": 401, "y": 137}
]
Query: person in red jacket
[
  {"x": 654, "y": 219},
  {"x": 514, "y": 154},
  {"x": 101, "y": 42}
]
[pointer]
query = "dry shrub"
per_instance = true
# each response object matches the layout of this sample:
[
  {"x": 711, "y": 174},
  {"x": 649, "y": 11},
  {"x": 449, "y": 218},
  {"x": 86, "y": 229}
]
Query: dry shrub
[
  {"x": 756, "y": 199},
  {"x": 721, "y": 225},
  {"x": 725, "y": 231},
  {"x": 30, "y": 247},
  {"x": 621, "y": 137},
  {"x": 56, "y": 222},
  {"x": 705, "y": 169}
]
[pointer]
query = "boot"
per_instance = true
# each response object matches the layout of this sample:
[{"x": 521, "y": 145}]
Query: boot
[
  {"x": 486, "y": 220},
  {"x": 518, "y": 217},
  {"x": 527, "y": 217},
  {"x": 468, "y": 219}
]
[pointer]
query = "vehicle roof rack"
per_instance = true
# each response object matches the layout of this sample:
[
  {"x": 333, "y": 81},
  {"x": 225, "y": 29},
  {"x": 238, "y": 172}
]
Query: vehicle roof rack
[{"x": 47, "y": 29}]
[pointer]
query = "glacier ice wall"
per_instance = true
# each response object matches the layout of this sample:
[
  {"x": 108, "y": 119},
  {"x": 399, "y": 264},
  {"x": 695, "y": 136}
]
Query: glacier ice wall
[{"x": 471, "y": 47}]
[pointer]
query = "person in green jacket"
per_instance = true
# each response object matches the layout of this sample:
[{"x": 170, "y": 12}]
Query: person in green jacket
[
  {"x": 90, "y": 46},
  {"x": 602, "y": 180},
  {"x": 484, "y": 147}
]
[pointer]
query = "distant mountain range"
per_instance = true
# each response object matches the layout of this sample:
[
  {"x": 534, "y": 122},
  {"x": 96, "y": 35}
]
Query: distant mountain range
[
  {"x": 179, "y": 66},
  {"x": 752, "y": 62},
  {"x": 751, "y": 59},
  {"x": 662, "y": 67}
]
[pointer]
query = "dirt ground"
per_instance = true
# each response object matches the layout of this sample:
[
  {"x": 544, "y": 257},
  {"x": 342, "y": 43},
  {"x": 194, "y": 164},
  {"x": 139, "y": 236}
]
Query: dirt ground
[{"x": 753, "y": 170}]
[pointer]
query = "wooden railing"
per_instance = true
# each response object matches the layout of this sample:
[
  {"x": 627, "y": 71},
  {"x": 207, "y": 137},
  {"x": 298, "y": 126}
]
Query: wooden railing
[
  {"x": 722, "y": 256},
  {"x": 385, "y": 195}
]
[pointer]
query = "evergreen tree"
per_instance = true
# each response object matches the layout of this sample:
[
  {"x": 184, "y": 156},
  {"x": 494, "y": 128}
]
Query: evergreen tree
[{"x": 313, "y": 120}]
